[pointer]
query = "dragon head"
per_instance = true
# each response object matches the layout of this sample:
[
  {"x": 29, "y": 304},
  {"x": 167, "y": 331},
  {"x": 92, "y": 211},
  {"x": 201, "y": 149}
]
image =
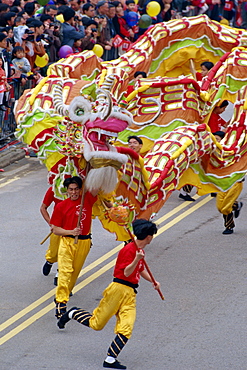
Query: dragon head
[{"x": 88, "y": 128}]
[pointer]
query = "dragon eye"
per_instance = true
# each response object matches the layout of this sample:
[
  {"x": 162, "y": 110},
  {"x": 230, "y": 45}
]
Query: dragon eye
[{"x": 79, "y": 111}]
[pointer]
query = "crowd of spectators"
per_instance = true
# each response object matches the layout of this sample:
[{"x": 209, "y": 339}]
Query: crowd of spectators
[{"x": 37, "y": 29}]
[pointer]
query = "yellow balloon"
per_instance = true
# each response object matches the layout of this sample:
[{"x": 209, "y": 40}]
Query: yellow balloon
[
  {"x": 98, "y": 50},
  {"x": 41, "y": 61},
  {"x": 153, "y": 8},
  {"x": 60, "y": 18}
]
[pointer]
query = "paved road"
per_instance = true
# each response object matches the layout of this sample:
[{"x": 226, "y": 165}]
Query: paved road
[{"x": 200, "y": 326}]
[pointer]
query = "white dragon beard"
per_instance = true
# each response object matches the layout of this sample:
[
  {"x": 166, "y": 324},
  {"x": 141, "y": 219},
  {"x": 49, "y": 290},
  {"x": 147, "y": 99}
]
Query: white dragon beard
[{"x": 104, "y": 178}]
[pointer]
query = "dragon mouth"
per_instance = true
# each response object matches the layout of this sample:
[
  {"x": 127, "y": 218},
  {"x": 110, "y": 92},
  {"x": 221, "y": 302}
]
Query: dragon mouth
[
  {"x": 100, "y": 139},
  {"x": 100, "y": 133}
]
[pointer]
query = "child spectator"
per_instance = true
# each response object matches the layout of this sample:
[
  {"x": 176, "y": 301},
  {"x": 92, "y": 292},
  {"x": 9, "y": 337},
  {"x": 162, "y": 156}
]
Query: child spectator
[
  {"x": 130, "y": 7},
  {"x": 21, "y": 63},
  {"x": 77, "y": 46}
]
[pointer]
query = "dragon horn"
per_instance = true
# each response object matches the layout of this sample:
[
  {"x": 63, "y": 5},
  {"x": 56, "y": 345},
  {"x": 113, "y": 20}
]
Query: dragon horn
[
  {"x": 58, "y": 99},
  {"x": 108, "y": 82},
  {"x": 153, "y": 118},
  {"x": 105, "y": 109}
]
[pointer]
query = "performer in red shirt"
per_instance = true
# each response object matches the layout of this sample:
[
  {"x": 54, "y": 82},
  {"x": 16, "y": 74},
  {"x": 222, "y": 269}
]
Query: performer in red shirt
[
  {"x": 215, "y": 122},
  {"x": 71, "y": 256},
  {"x": 119, "y": 298},
  {"x": 205, "y": 68},
  {"x": 137, "y": 76},
  {"x": 51, "y": 253}
]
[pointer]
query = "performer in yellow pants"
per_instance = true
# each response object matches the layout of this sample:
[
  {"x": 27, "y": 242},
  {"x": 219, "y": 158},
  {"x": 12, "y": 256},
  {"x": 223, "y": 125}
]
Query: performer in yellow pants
[
  {"x": 71, "y": 258},
  {"x": 71, "y": 255},
  {"x": 119, "y": 298},
  {"x": 226, "y": 202},
  {"x": 228, "y": 205}
]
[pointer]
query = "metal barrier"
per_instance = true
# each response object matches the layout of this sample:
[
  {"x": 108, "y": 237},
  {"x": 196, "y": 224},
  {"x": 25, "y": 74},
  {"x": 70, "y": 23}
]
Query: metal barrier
[{"x": 7, "y": 118}]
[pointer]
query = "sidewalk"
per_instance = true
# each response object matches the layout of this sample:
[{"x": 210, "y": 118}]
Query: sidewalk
[{"x": 11, "y": 152}]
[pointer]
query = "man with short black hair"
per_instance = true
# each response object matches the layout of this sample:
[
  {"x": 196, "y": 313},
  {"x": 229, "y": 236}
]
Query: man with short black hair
[
  {"x": 71, "y": 256},
  {"x": 88, "y": 10},
  {"x": 119, "y": 298},
  {"x": 50, "y": 10},
  {"x": 10, "y": 18},
  {"x": 76, "y": 6},
  {"x": 135, "y": 143}
]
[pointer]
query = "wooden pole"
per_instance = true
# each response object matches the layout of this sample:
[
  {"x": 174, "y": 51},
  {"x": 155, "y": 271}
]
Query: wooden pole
[
  {"x": 146, "y": 265},
  {"x": 192, "y": 68},
  {"x": 46, "y": 238},
  {"x": 82, "y": 202}
]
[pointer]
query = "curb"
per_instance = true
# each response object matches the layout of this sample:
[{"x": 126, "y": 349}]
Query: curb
[{"x": 12, "y": 154}]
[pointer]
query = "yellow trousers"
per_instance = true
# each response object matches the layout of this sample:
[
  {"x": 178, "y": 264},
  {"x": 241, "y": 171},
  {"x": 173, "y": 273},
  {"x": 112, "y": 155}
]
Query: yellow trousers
[
  {"x": 119, "y": 300},
  {"x": 71, "y": 258},
  {"x": 52, "y": 251},
  {"x": 225, "y": 200}
]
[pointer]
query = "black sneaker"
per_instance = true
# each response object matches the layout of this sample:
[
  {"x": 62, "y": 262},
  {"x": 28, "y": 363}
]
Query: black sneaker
[
  {"x": 227, "y": 231},
  {"x": 237, "y": 211},
  {"x": 47, "y": 268},
  {"x": 186, "y": 197},
  {"x": 115, "y": 365},
  {"x": 65, "y": 318}
]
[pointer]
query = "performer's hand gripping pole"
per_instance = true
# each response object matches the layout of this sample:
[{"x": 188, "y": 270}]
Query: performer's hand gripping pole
[{"x": 145, "y": 264}]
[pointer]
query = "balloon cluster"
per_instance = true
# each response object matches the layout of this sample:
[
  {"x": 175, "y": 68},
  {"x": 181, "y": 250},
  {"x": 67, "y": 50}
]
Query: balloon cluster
[{"x": 153, "y": 8}]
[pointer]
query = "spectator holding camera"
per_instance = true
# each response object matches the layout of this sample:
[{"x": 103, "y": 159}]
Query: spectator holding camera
[
  {"x": 70, "y": 34},
  {"x": 91, "y": 33},
  {"x": 32, "y": 41},
  {"x": 54, "y": 42}
]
